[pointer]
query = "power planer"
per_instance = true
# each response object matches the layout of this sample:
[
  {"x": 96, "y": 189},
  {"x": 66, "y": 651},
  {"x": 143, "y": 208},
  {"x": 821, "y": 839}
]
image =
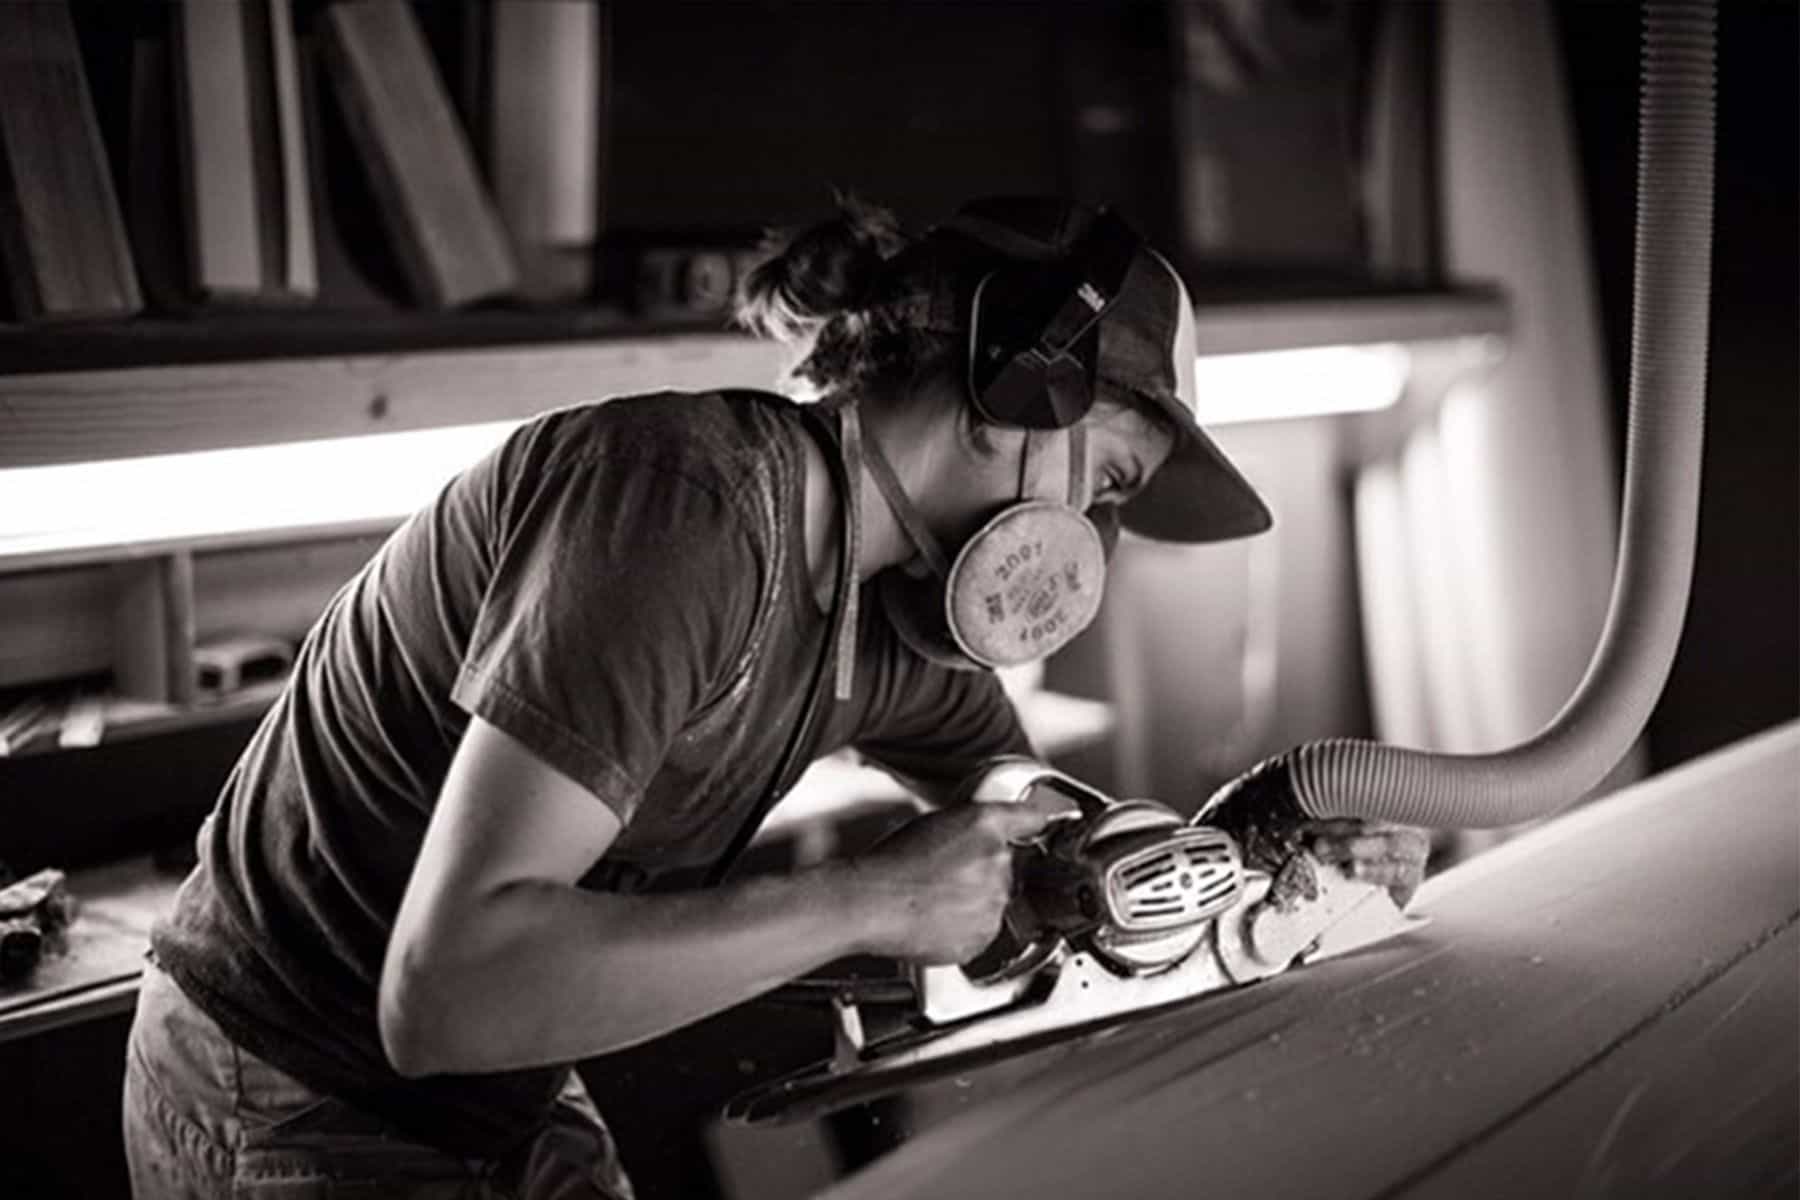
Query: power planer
[{"x": 1119, "y": 907}]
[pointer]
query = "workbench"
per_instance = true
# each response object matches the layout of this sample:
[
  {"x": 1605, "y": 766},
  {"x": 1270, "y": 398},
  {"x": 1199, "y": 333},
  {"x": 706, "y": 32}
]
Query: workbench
[
  {"x": 96, "y": 973},
  {"x": 1605, "y": 1005}
]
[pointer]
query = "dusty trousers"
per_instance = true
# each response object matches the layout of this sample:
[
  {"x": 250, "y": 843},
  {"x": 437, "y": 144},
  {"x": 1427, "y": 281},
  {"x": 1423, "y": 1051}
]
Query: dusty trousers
[{"x": 204, "y": 1118}]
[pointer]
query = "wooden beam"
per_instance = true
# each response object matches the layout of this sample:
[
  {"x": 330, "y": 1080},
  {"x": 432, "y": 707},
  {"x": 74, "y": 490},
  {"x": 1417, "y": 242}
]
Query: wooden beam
[
  {"x": 78, "y": 416},
  {"x": 73, "y": 416},
  {"x": 1619, "y": 961}
]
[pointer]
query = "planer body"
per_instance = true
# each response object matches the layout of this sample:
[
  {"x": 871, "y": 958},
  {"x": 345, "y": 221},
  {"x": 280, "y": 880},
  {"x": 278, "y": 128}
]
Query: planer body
[{"x": 1120, "y": 908}]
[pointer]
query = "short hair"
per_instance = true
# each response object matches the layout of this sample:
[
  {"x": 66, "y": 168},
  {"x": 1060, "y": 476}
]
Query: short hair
[{"x": 811, "y": 290}]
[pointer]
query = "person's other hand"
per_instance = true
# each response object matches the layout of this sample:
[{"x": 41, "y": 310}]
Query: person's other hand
[
  {"x": 1389, "y": 856},
  {"x": 939, "y": 885}
]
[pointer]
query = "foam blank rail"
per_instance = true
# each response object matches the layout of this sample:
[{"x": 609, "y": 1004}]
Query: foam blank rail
[{"x": 1603, "y": 1006}]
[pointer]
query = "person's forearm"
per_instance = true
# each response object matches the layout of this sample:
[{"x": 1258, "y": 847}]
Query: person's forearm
[{"x": 548, "y": 973}]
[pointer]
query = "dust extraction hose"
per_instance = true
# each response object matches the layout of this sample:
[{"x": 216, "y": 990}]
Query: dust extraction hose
[{"x": 1574, "y": 752}]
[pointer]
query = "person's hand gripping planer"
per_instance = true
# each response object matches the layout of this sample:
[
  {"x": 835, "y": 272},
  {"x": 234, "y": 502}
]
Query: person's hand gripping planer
[{"x": 1119, "y": 908}]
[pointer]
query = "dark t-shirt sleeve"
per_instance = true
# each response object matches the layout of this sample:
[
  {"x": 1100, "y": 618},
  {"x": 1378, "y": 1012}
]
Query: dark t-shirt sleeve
[
  {"x": 932, "y": 727},
  {"x": 622, "y": 595}
]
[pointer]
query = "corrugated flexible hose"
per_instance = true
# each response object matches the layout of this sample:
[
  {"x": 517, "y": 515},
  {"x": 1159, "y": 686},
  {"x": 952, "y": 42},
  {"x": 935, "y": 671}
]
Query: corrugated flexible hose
[{"x": 1575, "y": 751}]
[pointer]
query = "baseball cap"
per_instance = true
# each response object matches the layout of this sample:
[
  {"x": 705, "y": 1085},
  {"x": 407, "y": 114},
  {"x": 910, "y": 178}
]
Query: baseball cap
[{"x": 1144, "y": 344}]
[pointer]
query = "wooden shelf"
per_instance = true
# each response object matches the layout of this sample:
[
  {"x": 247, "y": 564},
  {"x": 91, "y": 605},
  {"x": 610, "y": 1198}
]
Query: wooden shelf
[
  {"x": 124, "y": 390},
  {"x": 98, "y": 975},
  {"x": 127, "y": 718},
  {"x": 253, "y": 334},
  {"x": 67, "y": 416},
  {"x": 50, "y": 553},
  {"x": 124, "y": 718},
  {"x": 160, "y": 386}
]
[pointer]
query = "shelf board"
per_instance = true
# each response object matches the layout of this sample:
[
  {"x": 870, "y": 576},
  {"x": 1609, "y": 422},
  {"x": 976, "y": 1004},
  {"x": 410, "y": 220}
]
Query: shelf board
[
  {"x": 127, "y": 718},
  {"x": 123, "y": 412},
  {"x": 98, "y": 975},
  {"x": 1237, "y": 311},
  {"x": 253, "y": 334},
  {"x": 57, "y": 551},
  {"x": 155, "y": 386},
  {"x": 140, "y": 718}
]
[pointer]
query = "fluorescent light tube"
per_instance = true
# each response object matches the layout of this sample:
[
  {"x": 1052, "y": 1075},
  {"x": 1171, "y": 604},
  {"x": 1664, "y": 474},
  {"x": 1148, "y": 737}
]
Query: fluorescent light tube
[
  {"x": 1275, "y": 385},
  {"x": 344, "y": 480},
  {"x": 247, "y": 489}
]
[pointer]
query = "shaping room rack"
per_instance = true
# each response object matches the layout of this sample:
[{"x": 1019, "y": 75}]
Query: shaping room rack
[{"x": 115, "y": 596}]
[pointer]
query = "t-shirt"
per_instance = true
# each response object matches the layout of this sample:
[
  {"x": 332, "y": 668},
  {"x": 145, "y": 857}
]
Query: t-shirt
[{"x": 623, "y": 588}]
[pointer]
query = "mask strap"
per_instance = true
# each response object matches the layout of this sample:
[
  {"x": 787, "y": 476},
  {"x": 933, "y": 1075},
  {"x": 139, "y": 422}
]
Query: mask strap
[
  {"x": 904, "y": 510},
  {"x": 841, "y": 639},
  {"x": 1079, "y": 494},
  {"x": 1025, "y": 455},
  {"x": 850, "y": 432}
]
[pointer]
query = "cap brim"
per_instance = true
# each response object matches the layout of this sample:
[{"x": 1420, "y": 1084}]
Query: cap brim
[{"x": 1197, "y": 495}]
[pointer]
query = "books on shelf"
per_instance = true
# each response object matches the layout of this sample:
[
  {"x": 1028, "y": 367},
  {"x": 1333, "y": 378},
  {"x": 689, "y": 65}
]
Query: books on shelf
[
  {"x": 447, "y": 232},
  {"x": 541, "y": 120},
  {"x": 247, "y": 197},
  {"x": 61, "y": 233}
]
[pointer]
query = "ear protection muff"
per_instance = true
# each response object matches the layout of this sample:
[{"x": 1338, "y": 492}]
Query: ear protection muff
[{"x": 1034, "y": 326}]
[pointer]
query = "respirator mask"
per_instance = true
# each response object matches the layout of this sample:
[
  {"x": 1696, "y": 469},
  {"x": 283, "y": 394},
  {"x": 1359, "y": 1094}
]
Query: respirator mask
[
  {"x": 1053, "y": 298},
  {"x": 1020, "y": 588}
]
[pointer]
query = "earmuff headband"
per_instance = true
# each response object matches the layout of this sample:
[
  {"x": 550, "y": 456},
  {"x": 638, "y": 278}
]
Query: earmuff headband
[{"x": 1038, "y": 381}]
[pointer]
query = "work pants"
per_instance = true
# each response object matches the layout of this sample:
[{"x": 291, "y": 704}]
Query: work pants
[{"x": 205, "y": 1119}]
